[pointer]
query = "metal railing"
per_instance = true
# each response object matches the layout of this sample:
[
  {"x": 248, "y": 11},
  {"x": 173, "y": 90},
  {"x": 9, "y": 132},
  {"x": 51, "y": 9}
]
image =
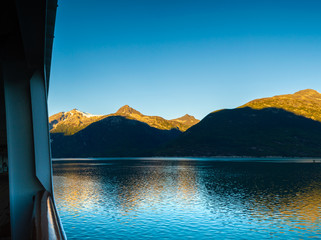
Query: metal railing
[{"x": 45, "y": 220}]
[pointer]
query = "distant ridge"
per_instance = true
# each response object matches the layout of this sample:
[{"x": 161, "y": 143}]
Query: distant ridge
[
  {"x": 74, "y": 121},
  {"x": 182, "y": 123},
  {"x": 249, "y": 132},
  {"x": 306, "y": 103},
  {"x": 113, "y": 136},
  {"x": 285, "y": 125}
]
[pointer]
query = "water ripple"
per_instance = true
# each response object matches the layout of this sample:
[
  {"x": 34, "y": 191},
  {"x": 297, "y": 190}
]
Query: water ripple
[{"x": 141, "y": 199}]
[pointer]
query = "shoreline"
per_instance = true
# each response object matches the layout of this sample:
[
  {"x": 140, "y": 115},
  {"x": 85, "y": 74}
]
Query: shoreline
[{"x": 269, "y": 159}]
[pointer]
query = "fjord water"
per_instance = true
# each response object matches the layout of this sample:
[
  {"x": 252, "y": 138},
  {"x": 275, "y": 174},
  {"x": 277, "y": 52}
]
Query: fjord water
[{"x": 188, "y": 198}]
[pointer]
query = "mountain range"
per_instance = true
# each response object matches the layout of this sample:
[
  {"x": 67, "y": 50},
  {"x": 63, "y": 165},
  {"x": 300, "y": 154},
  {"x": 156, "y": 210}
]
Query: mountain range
[
  {"x": 284, "y": 125},
  {"x": 73, "y": 121},
  {"x": 124, "y": 133}
]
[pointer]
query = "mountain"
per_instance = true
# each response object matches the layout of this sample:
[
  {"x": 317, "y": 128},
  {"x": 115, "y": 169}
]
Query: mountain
[
  {"x": 127, "y": 110},
  {"x": 182, "y": 123},
  {"x": 113, "y": 136},
  {"x": 249, "y": 132},
  {"x": 306, "y": 103},
  {"x": 285, "y": 125},
  {"x": 185, "y": 122},
  {"x": 124, "y": 133},
  {"x": 73, "y": 121}
]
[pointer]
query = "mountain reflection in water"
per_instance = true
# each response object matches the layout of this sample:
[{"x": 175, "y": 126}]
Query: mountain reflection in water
[{"x": 176, "y": 199}]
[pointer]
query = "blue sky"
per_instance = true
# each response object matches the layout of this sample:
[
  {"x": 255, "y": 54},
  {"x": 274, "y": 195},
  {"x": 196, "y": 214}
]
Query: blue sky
[{"x": 171, "y": 57}]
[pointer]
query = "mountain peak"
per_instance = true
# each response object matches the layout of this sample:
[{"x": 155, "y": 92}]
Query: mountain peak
[
  {"x": 75, "y": 110},
  {"x": 127, "y": 110},
  {"x": 187, "y": 120},
  {"x": 187, "y": 117},
  {"x": 307, "y": 92}
]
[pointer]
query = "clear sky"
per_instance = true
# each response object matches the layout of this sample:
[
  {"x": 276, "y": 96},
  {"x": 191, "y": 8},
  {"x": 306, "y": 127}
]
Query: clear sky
[{"x": 171, "y": 57}]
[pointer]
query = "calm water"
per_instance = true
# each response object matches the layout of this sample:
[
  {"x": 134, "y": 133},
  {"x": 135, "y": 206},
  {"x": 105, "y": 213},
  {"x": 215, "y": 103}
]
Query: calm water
[{"x": 188, "y": 199}]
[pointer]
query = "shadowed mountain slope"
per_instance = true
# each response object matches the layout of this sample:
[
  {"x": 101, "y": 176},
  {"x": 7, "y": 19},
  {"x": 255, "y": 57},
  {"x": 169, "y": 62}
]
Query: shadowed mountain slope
[
  {"x": 113, "y": 136},
  {"x": 249, "y": 132}
]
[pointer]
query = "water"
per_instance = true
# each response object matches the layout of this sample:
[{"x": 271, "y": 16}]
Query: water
[{"x": 189, "y": 199}]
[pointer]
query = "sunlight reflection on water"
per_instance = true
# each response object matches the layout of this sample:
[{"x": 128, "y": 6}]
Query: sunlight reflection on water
[{"x": 179, "y": 199}]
